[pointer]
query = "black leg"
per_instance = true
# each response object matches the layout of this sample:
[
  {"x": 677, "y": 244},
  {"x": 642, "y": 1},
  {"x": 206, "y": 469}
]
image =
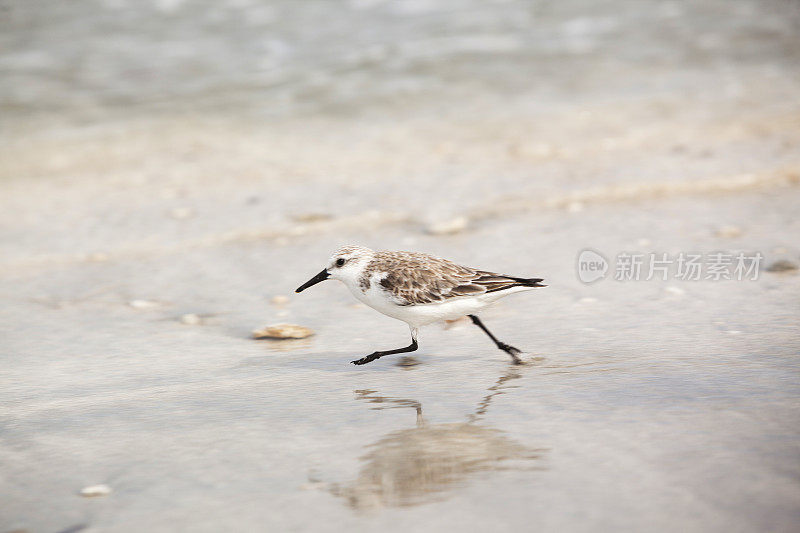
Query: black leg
[
  {"x": 510, "y": 350},
  {"x": 377, "y": 355}
]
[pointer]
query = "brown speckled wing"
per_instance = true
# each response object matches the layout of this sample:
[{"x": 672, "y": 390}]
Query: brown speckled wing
[{"x": 414, "y": 278}]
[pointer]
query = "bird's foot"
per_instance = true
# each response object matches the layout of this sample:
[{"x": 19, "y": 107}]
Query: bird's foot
[
  {"x": 510, "y": 350},
  {"x": 367, "y": 359}
]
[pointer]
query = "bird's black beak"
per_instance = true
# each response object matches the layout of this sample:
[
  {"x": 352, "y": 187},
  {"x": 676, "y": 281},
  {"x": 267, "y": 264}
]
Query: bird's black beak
[{"x": 322, "y": 276}]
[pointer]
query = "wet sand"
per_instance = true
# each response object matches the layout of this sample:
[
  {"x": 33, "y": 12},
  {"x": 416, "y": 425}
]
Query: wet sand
[{"x": 643, "y": 405}]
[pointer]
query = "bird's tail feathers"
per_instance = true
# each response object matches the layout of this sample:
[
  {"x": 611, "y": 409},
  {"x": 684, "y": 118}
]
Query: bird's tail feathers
[{"x": 530, "y": 282}]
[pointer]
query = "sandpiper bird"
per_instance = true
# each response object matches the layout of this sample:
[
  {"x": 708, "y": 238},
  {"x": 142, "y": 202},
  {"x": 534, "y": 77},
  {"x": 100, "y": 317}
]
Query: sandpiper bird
[{"x": 419, "y": 289}]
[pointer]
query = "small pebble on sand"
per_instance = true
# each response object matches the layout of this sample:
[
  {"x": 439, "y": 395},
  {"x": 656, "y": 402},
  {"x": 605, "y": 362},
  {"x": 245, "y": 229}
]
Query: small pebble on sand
[
  {"x": 448, "y": 227},
  {"x": 782, "y": 265},
  {"x": 312, "y": 217},
  {"x": 97, "y": 257},
  {"x": 283, "y": 331},
  {"x": 191, "y": 319},
  {"x": 279, "y": 300},
  {"x": 143, "y": 304},
  {"x": 729, "y": 232},
  {"x": 95, "y": 490}
]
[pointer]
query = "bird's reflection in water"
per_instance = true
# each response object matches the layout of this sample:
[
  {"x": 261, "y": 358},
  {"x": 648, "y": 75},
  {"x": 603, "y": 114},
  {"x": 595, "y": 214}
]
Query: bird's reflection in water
[{"x": 420, "y": 464}]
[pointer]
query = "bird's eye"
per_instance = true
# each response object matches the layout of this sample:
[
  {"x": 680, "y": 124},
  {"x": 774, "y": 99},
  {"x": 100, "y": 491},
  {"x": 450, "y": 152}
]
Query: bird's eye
[{"x": 340, "y": 262}]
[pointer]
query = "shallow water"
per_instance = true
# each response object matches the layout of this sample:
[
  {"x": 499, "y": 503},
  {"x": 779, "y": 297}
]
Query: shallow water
[
  {"x": 171, "y": 158},
  {"x": 96, "y": 59}
]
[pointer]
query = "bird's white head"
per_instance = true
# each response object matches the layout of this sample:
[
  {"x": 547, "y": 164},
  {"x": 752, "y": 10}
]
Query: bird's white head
[{"x": 346, "y": 264}]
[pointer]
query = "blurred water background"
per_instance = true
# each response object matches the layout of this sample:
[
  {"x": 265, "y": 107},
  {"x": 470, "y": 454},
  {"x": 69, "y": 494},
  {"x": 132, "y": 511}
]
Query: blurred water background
[{"x": 168, "y": 167}]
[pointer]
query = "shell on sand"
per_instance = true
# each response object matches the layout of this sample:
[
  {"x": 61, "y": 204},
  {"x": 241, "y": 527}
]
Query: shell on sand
[
  {"x": 95, "y": 490},
  {"x": 283, "y": 331}
]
